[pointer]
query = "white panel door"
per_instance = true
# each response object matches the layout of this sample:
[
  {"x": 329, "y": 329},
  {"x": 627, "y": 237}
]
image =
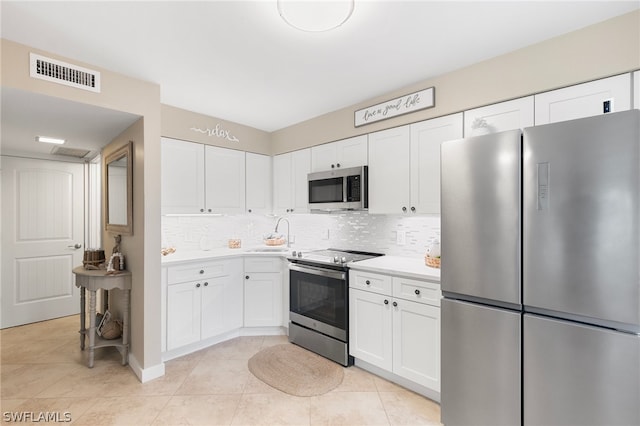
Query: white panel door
[
  {"x": 42, "y": 239},
  {"x": 263, "y": 299},
  {"x": 323, "y": 157},
  {"x": 370, "y": 328},
  {"x": 259, "y": 186},
  {"x": 500, "y": 117},
  {"x": 282, "y": 184},
  {"x": 183, "y": 313},
  {"x": 389, "y": 174},
  {"x": 584, "y": 100},
  {"x": 182, "y": 177},
  {"x": 426, "y": 137},
  {"x": 300, "y": 167},
  {"x": 224, "y": 180},
  {"x": 352, "y": 152},
  {"x": 416, "y": 343}
]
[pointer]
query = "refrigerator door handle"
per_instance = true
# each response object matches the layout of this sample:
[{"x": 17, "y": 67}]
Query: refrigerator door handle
[{"x": 543, "y": 186}]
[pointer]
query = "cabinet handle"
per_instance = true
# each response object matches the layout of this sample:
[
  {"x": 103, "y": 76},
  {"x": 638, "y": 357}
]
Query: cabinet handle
[
  {"x": 287, "y": 210},
  {"x": 202, "y": 271},
  {"x": 209, "y": 210},
  {"x": 367, "y": 282},
  {"x": 291, "y": 210},
  {"x": 201, "y": 210},
  {"x": 206, "y": 283},
  {"x": 246, "y": 277},
  {"x": 417, "y": 292},
  {"x": 386, "y": 302},
  {"x": 413, "y": 209},
  {"x": 395, "y": 303},
  {"x": 198, "y": 285},
  {"x": 404, "y": 209},
  {"x": 333, "y": 166},
  {"x": 249, "y": 210},
  {"x": 338, "y": 165}
]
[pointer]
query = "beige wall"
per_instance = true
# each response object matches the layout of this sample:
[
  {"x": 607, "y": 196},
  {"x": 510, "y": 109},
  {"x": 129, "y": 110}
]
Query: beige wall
[
  {"x": 130, "y": 246},
  {"x": 607, "y": 48},
  {"x": 178, "y": 123},
  {"x": 143, "y": 247}
]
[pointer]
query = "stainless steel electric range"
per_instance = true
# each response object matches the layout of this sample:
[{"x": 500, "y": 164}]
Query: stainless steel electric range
[{"x": 319, "y": 301}]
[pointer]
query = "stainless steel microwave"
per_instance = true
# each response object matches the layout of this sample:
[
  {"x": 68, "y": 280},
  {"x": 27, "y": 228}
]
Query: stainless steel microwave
[{"x": 339, "y": 189}]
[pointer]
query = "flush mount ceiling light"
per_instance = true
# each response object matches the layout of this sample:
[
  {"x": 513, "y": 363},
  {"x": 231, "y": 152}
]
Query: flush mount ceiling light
[
  {"x": 315, "y": 15},
  {"x": 46, "y": 139}
]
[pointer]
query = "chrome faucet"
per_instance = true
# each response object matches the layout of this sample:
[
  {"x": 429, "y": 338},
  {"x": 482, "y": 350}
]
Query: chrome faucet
[{"x": 288, "y": 226}]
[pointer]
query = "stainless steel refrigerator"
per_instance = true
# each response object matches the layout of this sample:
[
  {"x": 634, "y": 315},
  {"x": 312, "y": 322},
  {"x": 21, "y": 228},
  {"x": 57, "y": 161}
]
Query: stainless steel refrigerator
[{"x": 541, "y": 275}]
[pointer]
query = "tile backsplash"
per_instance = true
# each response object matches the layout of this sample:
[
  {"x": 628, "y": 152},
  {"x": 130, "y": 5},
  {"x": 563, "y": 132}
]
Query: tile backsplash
[{"x": 348, "y": 230}]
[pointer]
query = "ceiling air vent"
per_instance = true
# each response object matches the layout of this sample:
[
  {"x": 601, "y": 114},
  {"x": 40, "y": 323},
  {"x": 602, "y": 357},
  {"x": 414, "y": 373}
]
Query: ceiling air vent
[
  {"x": 70, "y": 152},
  {"x": 64, "y": 73}
]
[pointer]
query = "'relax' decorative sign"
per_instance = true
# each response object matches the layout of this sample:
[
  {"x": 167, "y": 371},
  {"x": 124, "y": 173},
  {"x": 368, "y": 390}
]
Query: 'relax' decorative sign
[
  {"x": 398, "y": 106},
  {"x": 218, "y": 132}
]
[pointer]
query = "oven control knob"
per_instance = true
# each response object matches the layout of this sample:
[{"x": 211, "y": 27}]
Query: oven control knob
[
  {"x": 336, "y": 259},
  {"x": 343, "y": 260},
  {"x": 299, "y": 254},
  {"x": 293, "y": 253}
]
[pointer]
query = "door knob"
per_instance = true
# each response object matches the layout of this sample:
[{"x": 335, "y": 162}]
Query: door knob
[{"x": 75, "y": 246}]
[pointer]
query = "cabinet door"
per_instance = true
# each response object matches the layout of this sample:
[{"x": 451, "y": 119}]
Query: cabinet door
[
  {"x": 183, "y": 314},
  {"x": 636, "y": 90},
  {"x": 426, "y": 137},
  {"x": 389, "y": 171},
  {"x": 258, "y": 175},
  {"x": 370, "y": 281},
  {"x": 301, "y": 167},
  {"x": 352, "y": 152},
  {"x": 224, "y": 180},
  {"x": 323, "y": 157},
  {"x": 182, "y": 177},
  {"x": 282, "y": 184},
  {"x": 370, "y": 330},
  {"x": 263, "y": 299},
  {"x": 509, "y": 115},
  {"x": 416, "y": 343},
  {"x": 221, "y": 306},
  {"x": 584, "y": 100}
]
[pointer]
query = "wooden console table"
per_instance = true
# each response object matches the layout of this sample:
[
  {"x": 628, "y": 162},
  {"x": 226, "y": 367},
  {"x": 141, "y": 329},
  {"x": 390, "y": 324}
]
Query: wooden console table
[{"x": 94, "y": 280}]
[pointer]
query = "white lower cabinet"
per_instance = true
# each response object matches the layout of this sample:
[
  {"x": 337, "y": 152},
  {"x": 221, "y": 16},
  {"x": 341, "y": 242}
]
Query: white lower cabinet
[
  {"x": 398, "y": 330},
  {"x": 209, "y": 303},
  {"x": 263, "y": 292}
]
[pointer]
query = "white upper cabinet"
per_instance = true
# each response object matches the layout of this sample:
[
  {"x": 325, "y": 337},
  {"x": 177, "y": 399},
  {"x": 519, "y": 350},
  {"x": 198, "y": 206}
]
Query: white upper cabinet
[
  {"x": 346, "y": 153},
  {"x": 224, "y": 180},
  {"x": 636, "y": 90},
  {"x": 290, "y": 188},
  {"x": 198, "y": 178},
  {"x": 404, "y": 166},
  {"x": 259, "y": 185},
  {"x": 584, "y": 100},
  {"x": 426, "y": 137},
  {"x": 389, "y": 174},
  {"x": 509, "y": 115},
  {"x": 182, "y": 177}
]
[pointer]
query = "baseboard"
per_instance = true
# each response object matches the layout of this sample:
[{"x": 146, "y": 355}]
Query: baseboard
[
  {"x": 405, "y": 383},
  {"x": 145, "y": 374}
]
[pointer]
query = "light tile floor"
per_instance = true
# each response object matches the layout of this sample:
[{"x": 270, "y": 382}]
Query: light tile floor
[{"x": 43, "y": 370}]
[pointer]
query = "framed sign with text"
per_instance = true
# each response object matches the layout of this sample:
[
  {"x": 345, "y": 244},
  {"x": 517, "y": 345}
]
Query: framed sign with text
[{"x": 395, "y": 107}]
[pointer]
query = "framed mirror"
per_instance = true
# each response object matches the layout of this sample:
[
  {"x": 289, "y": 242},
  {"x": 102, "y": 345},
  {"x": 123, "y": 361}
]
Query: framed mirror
[{"x": 118, "y": 190}]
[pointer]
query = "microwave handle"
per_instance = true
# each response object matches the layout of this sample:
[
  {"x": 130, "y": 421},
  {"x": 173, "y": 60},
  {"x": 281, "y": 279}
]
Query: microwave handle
[{"x": 317, "y": 271}]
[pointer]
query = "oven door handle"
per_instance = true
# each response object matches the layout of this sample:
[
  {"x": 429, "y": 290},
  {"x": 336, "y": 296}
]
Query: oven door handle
[{"x": 318, "y": 271}]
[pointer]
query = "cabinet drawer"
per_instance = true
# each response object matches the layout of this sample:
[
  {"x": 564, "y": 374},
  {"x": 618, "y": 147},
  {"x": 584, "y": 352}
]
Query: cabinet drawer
[
  {"x": 196, "y": 271},
  {"x": 371, "y": 282},
  {"x": 418, "y": 291},
  {"x": 262, "y": 264}
]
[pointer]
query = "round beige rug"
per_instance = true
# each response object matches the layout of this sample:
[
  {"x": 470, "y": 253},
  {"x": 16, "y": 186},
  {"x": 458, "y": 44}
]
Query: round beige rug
[{"x": 295, "y": 370}]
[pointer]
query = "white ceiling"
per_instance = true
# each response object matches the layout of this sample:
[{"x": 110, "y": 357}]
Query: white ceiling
[{"x": 238, "y": 61}]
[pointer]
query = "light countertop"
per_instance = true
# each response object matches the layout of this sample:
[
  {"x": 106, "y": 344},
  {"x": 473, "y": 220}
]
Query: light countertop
[
  {"x": 397, "y": 265},
  {"x": 180, "y": 256}
]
